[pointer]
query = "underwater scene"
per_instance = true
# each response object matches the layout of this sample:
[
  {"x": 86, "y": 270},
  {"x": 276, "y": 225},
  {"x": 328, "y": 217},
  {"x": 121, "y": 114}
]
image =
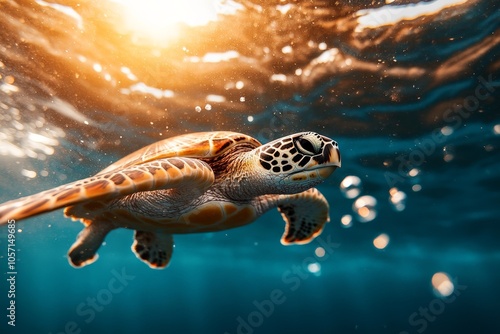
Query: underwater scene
[{"x": 409, "y": 89}]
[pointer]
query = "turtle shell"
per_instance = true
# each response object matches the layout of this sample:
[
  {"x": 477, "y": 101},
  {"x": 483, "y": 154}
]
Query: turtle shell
[{"x": 192, "y": 145}]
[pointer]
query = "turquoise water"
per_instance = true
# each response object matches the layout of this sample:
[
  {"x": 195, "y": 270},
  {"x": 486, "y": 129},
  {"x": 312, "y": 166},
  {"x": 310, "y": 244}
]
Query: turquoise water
[{"x": 409, "y": 91}]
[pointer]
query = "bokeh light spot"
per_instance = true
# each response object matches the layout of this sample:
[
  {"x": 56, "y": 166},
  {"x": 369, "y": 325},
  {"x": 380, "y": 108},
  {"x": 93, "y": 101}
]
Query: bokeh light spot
[
  {"x": 381, "y": 241},
  {"x": 442, "y": 284}
]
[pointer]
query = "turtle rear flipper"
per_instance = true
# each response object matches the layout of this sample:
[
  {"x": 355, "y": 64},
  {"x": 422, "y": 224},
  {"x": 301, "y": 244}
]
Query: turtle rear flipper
[
  {"x": 155, "y": 249},
  {"x": 84, "y": 250}
]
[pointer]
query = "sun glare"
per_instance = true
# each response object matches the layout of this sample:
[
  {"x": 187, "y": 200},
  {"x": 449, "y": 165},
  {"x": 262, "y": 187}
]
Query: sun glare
[{"x": 160, "y": 20}]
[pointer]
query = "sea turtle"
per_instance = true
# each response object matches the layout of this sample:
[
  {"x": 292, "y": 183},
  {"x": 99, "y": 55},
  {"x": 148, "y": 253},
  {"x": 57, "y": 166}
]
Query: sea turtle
[{"x": 198, "y": 182}]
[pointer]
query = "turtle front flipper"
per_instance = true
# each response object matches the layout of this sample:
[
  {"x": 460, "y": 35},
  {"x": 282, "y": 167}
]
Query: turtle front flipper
[
  {"x": 155, "y": 249},
  {"x": 305, "y": 214},
  {"x": 154, "y": 175}
]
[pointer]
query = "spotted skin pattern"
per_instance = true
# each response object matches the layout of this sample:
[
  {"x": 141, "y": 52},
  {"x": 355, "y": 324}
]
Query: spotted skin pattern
[
  {"x": 298, "y": 151},
  {"x": 199, "y": 182}
]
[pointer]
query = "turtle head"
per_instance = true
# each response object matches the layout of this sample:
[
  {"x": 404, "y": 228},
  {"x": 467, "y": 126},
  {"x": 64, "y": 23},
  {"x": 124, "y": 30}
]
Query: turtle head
[{"x": 298, "y": 162}]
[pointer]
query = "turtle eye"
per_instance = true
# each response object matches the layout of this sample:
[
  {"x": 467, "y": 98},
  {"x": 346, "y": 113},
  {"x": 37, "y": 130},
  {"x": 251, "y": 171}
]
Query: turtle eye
[{"x": 309, "y": 145}]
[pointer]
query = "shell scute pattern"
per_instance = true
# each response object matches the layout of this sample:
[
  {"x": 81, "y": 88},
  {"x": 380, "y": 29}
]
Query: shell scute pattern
[{"x": 194, "y": 145}]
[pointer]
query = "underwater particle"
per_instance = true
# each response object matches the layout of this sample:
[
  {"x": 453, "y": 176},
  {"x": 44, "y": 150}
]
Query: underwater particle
[
  {"x": 416, "y": 187},
  {"x": 365, "y": 208},
  {"x": 448, "y": 157},
  {"x": 278, "y": 77},
  {"x": 97, "y": 67},
  {"x": 9, "y": 79},
  {"x": 381, "y": 241},
  {"x": 215, "y": 98},
  {"x": 197, "y": 109},
  {"x": 448, "y": 154},
  {"x": 314, "y": 268},
  {"x": 442, "y": 284},
  {"x": 346, "y": 221},
  {"x": 239, "y": 84},
  {"x": 208, "y": 107},
  {"x": 19, "y": 230},
  {"x": 447, "y": 130},
  {"x": 298, "y": 72},
  {"x": 414, "y": 172},
  {"x": 351, "y": 186},
  {"x": 322, "y": 46},
  {"x": 397, "y": 199},
  {"x": 250, "y": 118},
  {"x": 496, "y": 129},
  {"x": 242, "y": 99},
  {"x": 287, "y": 49},
  {"x": 28, "y": 173},
  {"x": 320, "y": 252}
]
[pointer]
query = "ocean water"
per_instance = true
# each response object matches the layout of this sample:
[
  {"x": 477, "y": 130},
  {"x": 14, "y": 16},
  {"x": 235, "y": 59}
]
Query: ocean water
[{"x": 409, "y": 89}]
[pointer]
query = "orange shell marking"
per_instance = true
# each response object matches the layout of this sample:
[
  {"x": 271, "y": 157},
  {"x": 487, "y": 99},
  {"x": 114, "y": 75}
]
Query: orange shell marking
[{"x": 216, "y": 217}]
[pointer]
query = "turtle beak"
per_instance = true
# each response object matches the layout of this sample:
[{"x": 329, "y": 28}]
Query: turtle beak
[
  {"x": 335, "y": 157},
  {"x": 330, "y": 160},
  {"x": 330, "y": 156}
]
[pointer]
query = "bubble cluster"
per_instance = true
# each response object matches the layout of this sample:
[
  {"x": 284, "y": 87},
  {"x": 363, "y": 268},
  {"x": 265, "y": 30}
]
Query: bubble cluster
[
  {"x": 397, "y": 199},
  {"x": 351, "y": 186}
]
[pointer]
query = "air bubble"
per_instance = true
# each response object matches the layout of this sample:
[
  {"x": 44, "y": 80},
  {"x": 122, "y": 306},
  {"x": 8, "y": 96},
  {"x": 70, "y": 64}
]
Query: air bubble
[
  {"x": 346, "y": 221},
  {"x": 442, "y": 284},
  {"x": 314, "y": 268},
  {"x": 397, "y": 199},
  {"x": 365, "y": 208},
  {"x": 351, "y": 186},
  {"x": 381, "y": 241}
]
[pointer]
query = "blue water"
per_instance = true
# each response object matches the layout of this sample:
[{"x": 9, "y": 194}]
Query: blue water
[{"x": 413, "y": 102}]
